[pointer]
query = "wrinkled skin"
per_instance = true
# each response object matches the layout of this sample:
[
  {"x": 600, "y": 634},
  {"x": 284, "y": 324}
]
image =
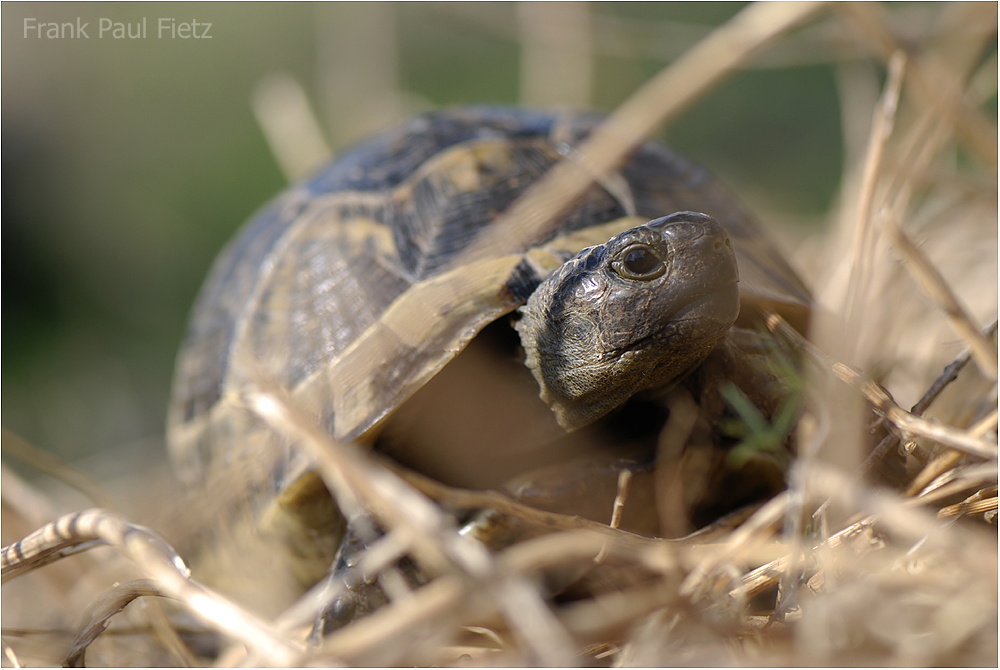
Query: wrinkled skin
[{"x": 633, "y": 314}]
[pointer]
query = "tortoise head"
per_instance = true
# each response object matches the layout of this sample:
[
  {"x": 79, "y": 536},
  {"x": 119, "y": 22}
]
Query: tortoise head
[{"x": 635, "y": 313}]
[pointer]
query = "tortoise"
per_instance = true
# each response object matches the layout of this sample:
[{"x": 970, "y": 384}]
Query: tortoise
[{"x": 352, "y": 291}]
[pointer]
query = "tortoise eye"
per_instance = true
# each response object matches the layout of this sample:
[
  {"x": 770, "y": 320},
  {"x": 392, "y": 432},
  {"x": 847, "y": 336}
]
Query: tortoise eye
[{"x": 638, "y": 261}]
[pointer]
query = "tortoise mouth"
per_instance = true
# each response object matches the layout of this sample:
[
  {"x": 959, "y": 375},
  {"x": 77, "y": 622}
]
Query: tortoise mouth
[
  {"x": 707, "y": 275},
  {"x": 720, "y": 306}
]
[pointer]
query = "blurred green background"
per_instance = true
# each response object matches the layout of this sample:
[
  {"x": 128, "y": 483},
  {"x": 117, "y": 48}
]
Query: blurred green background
[{"x": 127, "y": 164}]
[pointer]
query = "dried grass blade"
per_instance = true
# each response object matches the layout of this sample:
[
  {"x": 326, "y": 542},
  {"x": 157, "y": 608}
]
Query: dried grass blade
[
  {"x": 739, "y": 542},
  {"x": 289, "y": 126},
  {"x": 947, "y": 460},
  {"x": 24, "y": 451},
  {"x": 100, "y": 612},
  {"x": 883, "y": 402},
  {"x": 910, "y": 423},
  {"x": 758, "y": 580},
  {"x": 864, "y": 241},
  {"x": 11, "y": 655},
  {"x": 25, "y": 500},
  {"x": 978, "y": 503},
  {"x": 549, "y": 642},
  {"x": 433, "y": 534},
  {"x": 727, "y": 48},
  {"x": 927, "y": 80},
  {"x": 956, "y": 481},
  {"x": 429, "y": 604},
  {"x": 159, "y": 562},
  {"x": 939, "y": 292}
]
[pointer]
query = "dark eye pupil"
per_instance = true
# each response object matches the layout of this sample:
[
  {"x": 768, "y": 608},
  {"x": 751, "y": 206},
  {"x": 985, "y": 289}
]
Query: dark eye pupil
[{"x": 640, "y": 261}]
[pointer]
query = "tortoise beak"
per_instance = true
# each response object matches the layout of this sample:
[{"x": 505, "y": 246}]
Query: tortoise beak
[{"x": 706, "y": 264}]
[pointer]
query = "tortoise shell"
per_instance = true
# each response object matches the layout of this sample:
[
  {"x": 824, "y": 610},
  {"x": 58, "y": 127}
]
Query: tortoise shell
[{"x": 350, "y": 290}]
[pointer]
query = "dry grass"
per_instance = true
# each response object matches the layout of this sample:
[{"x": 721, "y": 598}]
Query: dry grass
[{"x": 888, "y": 558}]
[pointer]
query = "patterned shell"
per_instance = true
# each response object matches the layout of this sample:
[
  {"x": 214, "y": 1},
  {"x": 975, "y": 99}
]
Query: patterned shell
[{"x": 349, "y": 289}]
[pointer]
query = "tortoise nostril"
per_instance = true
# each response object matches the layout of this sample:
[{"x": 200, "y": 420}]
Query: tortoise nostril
[{"x": 718, "y": 245}]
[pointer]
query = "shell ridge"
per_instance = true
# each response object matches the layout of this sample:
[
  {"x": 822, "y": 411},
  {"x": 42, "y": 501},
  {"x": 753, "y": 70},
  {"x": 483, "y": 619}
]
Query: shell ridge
[{"x": 428, "y": 189}]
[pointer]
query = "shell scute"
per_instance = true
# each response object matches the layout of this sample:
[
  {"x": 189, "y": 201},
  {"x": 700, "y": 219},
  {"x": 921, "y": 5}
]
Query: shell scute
[{"x": 343, "y": 290}]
